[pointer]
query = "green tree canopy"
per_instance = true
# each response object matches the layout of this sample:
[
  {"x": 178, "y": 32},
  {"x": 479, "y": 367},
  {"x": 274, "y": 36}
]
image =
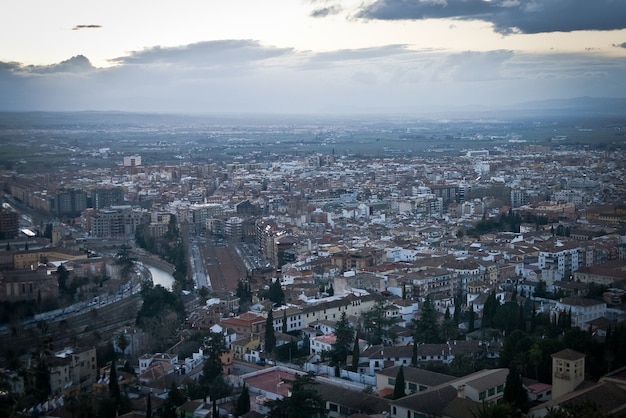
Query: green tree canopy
[
  {"x": 579, "y": 410},
  {"x": 213, "y": 366},
  {"x": 126, "y": 260},
  {"x": 62, "y": 276},
  {"x": 344, "y": 331},
  {"x": 426, "y": 329},
  {"x": 157, "y": 302},
  {"x": 304, "y": 401},
  {"x": 276, "y": 293},
  {"x": 494, "y": 410},
  {"x": 218, "y": 389},
  {"x": 376, "y": 322}
]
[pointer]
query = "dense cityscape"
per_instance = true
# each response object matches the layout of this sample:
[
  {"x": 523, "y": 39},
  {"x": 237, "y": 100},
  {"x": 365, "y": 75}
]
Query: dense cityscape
[{"x": 365, "y": 266}]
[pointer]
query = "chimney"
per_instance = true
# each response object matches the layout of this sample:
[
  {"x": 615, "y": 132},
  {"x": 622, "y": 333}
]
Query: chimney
[{"x": 461, "y": 391}]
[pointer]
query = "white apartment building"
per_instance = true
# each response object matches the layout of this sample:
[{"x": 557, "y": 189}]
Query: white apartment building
[
  {"x": 583, "y": 310},
  {"x": 562, "y": 258}
]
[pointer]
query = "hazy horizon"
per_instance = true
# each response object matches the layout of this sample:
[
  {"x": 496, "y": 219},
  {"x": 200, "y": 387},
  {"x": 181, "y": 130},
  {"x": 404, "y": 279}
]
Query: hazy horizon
[{"x": 311, "y": 56}]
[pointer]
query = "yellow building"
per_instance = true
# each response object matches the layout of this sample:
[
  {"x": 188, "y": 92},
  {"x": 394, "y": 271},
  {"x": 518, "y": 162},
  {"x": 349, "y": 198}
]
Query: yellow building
[{"x": 31, "y": 258}]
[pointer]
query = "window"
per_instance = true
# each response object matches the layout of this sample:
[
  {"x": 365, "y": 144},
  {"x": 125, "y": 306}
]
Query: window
[
  {"x": 391, "y": 381},
  {"x": 332, "y": 407},
  {"x": 492, "y": 391},
  {"x": 500, "y": 388},
  {"x": 422, "y": 388},
  {"x": 482, "y": 395},
  {"x": 412, "y": 387}
]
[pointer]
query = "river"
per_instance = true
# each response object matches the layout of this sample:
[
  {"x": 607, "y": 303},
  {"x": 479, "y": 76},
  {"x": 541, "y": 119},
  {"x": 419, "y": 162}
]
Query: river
[{"x": 161, "y": 277}]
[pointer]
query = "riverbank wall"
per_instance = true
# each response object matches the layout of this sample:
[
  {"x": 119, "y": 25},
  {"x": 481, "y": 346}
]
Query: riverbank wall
[{"x": 157, "y": 263}]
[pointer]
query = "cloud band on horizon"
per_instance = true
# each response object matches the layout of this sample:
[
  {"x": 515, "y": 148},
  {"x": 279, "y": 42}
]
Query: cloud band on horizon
[{"x": 247, "y": 76}]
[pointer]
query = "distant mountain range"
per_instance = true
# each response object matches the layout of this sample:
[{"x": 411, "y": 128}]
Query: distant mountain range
[
  {"x": 595, "y": 107},
  {"x": 583, "y": 106}
]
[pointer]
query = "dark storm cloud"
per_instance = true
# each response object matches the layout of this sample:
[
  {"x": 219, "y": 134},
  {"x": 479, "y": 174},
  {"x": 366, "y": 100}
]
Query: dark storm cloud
[
  {"x": 79, "y": 27},
  {"x": 326, "y": 11},
  {"x": 9, "y": 66},
  {"x": 210, "y": 53},
  {"x": 508, "y": 16}
]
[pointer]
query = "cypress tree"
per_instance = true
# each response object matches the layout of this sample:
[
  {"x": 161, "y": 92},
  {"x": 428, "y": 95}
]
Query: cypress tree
[
  {"x": 400, "y": 386},
  {"x": 149, "y": 407},
  {"x": 457, "y": 310},
  {"x": 514, "y": 392},
  {"x": 270, "y": 337},
  {"x": 284, "y": 329},
  {"x": 533, "y": 319},
  {"x": 568, "y": 319},
  {"x": 243, "y": 402},
  {"x": 355, "y": 352},
  {"x": 114, "y": 389},
  {"x": 471, "y": 327}
]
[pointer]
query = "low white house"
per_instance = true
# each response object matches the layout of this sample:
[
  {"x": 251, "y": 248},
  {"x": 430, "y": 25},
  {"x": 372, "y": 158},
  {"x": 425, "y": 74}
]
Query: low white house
[{"x": 322, "y": 343}]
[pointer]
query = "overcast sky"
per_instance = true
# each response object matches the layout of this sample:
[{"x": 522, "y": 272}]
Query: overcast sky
[{"x": 307, "y": 56}]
